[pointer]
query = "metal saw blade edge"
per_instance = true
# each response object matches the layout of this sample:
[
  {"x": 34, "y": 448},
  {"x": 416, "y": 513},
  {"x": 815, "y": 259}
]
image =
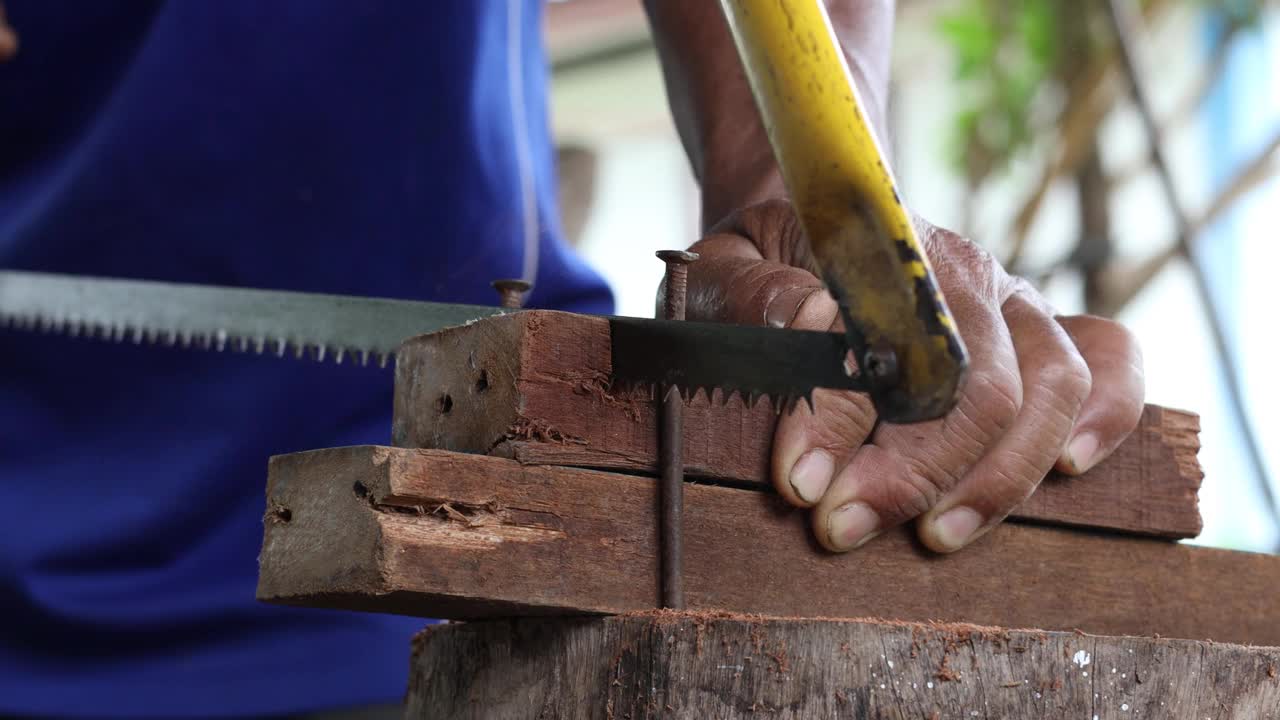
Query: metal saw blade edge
[{"x": 320, "y": 326}]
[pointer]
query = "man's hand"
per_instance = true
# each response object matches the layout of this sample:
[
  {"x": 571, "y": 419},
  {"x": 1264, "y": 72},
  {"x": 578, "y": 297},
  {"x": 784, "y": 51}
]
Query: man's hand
[{"x": 1041, "y": 390}]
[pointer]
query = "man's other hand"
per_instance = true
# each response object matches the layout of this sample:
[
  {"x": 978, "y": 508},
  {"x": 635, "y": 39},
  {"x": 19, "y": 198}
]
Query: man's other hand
[{"x": 1042, "y": 390}]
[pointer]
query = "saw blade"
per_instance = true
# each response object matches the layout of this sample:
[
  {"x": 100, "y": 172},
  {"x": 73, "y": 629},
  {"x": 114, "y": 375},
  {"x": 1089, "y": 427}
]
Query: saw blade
[
  {"x": 752, "y": 362},
  {"x": 325, "y": 327}
]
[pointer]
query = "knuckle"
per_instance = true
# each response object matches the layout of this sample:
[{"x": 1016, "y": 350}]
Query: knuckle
[
  {"x": 1068, "y": 380},
  {"x": 929, "y": 478},
  {"x": 842, "y": 420},
  {"x": 991, "y": 400},
  {"x": 913, "y": 497},
  {"x": 1010, "y": 483}
]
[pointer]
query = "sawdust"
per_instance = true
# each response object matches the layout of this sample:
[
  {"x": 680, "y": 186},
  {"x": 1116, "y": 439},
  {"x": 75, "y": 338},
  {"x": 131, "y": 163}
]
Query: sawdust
[
  {"x": 954, "y": 633},
  {"x": 1053, "y": 685},
  {"x": 945, "y": 672},
  {"x": 538, "y": 430},
  {"x": 599, "y": 387},
  {"x": 780, "y": 660}
]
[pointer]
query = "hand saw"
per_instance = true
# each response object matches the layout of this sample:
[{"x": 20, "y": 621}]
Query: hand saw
[
  {"x": 897, "y": 326},
  {"x": 784, "y": 365},
  {"x": 897, "y": 323}
]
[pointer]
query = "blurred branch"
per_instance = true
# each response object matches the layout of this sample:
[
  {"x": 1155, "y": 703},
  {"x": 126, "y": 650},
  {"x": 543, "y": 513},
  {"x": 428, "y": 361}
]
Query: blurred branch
[
  {"x": 1089, "y": 98},
  {"x": 1125, "y": 285},
  {"x": 1088, "y": 101},
  {"x": 1191, "y": 102},
  {"x": 1094, "y": 247},
  {"x": 1124, "y": 27},
  {"x": 1262, "y": 168}
]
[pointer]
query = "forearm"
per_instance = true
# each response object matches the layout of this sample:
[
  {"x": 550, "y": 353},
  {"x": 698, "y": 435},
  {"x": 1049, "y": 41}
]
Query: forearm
[{"x": 712, "y": 104}]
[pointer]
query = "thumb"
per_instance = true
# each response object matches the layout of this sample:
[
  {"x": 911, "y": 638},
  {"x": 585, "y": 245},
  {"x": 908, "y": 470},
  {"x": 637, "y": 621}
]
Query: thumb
[{"x": 732, "y": 282}]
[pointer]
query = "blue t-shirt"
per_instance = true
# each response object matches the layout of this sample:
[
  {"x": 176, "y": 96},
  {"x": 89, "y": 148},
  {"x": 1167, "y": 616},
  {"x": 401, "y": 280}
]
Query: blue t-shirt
[{"x": 376, "y": 148}]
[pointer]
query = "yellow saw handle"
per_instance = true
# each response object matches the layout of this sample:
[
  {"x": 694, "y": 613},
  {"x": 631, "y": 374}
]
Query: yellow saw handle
[{"x": 863, "y": 240}]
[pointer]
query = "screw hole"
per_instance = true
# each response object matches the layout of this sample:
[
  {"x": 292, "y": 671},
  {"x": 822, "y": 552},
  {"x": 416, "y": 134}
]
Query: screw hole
[
  {"x": 482, "y": 384},
  {"x": 360, "y": 490},
  {"x": 444, "y": 404}
]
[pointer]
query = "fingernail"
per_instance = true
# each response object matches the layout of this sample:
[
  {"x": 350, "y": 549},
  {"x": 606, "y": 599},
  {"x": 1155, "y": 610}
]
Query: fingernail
[
  {"x": 955, "y": 526},
  {"x": 784, "y": 308},
  {"x": 1082, "y": 451},
  {"x": 852, "y": 525},
  {"x": 811, "y": 475}
]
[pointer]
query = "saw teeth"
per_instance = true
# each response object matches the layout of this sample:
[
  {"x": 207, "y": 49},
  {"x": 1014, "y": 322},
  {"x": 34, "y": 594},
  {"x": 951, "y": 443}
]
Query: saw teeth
[
  {"x": 706, "y": 390},
  {"x": 808, "y": 400}
]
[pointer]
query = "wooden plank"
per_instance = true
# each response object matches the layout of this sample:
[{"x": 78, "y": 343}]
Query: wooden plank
[
  {"x": 669, "y": 665},
  {"x": 535, "y": 387},
  {"x": 441, "y": 534}
]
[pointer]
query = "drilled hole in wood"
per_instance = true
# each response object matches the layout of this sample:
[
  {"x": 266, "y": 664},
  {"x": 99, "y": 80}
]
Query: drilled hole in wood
[
  {"x": 360, "y": 490},
  {"x": 279, "y": 513},
  {"x": 482, "y": 383},
  {"x": 445, "y": 403}
]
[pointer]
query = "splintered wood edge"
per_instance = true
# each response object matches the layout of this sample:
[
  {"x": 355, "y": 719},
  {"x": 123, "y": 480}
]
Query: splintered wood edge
[
  {"x": 694, "y": 665},
  {"x": 1180, "y": 432}
]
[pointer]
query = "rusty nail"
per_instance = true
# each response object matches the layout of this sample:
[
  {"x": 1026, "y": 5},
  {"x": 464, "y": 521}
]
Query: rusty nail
[
  {"x": 676, "y": 281},
  {"x": 671, "y": 442},
  {"x": 511, "y": 292}
]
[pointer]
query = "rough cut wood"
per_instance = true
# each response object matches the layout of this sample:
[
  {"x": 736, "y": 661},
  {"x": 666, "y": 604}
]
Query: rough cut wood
[
  {"x": 668, "y": 665},
  {"x": 534, "y": 386},
  {"x": 441, "y": 534}
]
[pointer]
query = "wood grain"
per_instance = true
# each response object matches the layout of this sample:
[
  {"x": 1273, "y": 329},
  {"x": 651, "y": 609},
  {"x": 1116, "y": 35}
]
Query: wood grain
[
  {"x": 442, "y": 534},
  {"x": 534, "y": 386},
  {"x": 669, "y": 665}
]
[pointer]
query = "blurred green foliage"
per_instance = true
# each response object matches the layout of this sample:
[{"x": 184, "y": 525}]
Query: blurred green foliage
[{"x": 1010, "y": 55}]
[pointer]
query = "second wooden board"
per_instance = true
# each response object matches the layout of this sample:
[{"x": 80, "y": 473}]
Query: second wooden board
[{"x": 442, "y": 534}]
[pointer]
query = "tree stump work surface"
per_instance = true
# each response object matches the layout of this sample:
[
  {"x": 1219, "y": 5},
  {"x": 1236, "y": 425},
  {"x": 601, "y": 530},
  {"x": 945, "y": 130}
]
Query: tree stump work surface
[
  {"x": 534, "y": 386},
  {"x": 689, "y": 665}
]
